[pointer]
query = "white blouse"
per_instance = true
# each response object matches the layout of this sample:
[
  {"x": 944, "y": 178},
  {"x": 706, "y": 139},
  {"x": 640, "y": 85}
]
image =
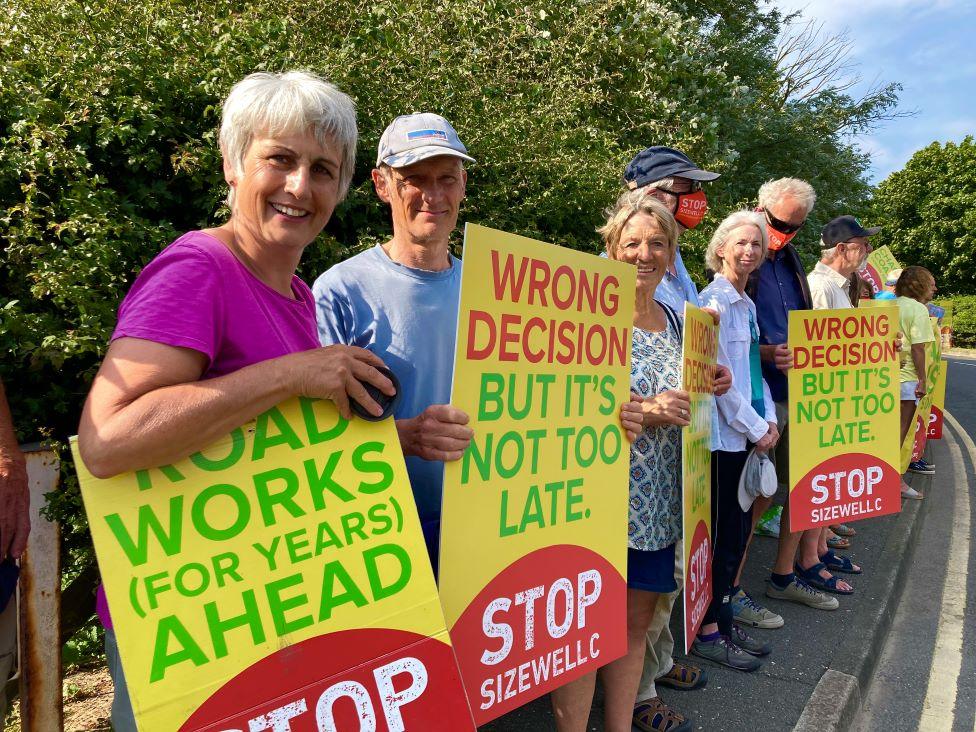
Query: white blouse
[{"x": 738, "y": 421}]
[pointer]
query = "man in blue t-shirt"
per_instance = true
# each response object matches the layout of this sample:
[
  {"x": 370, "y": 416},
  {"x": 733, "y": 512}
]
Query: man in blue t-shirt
[{"x": 400, "y": 299}]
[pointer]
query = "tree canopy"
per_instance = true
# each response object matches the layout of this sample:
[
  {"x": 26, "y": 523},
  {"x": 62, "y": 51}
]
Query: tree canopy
[
  {"x": 927, "y": 211},
  {"x": 109, "y": 113}
]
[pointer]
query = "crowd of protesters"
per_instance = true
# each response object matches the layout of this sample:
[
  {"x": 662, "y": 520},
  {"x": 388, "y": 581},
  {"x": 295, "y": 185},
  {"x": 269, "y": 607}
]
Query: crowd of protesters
[{"x": 218, "y": 328}]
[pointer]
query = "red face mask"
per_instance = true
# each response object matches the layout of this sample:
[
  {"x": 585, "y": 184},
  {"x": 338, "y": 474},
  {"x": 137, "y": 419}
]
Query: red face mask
[
  {"x": 777, "y": 239},
  {"x": 691, "y": 208}
]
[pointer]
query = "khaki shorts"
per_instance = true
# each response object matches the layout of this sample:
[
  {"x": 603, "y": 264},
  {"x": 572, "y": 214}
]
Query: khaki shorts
[{"x": 781, "y": 454}]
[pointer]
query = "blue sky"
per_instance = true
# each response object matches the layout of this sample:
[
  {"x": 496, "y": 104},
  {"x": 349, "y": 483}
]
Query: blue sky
[{"x": 929, "y": 47}]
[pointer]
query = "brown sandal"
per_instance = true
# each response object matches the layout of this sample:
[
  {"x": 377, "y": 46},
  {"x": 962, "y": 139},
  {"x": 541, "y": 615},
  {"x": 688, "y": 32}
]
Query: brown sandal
[
  {"x": 684, "y": 677},
  {"x": 653, "y": 715}
]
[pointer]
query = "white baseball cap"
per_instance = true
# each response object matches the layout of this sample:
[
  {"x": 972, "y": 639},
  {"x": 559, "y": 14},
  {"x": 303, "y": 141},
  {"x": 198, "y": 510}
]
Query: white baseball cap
[{"x": 411, "y": 138}]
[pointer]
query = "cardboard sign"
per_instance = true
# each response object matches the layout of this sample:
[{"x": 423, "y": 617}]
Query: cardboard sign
[
  {"x": 880, "y": 262},
  {"x": 844, "y": 416},
  {"x": 277, "y": 579},
  {"x": 534, "y": 526},
  {"x": 913, "y": 447},
  {"x": 937, "y": 416},
  {"x": 700, "y": 352}
]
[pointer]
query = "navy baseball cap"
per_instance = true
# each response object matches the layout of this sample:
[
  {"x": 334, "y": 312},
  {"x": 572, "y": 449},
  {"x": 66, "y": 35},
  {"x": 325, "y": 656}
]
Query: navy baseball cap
[
  {"x": 658, "y": 162},
  {"x": 844, "y": 228}
]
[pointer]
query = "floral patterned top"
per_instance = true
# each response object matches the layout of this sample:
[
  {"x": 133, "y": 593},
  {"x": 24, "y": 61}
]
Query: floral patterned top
[{"x": 655, "y": 456}]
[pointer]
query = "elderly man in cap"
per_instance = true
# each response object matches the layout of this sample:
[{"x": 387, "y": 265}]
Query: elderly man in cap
[
  {"x": 670, "y": 176},
  {"x": 845, "y": 248},
  {"x": 400, "y": 299}
]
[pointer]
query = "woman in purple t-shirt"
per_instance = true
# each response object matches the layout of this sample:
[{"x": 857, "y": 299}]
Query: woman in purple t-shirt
[{"x": 218, "y": 328}]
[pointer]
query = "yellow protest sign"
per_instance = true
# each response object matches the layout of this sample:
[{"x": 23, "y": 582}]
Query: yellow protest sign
[
  {"x": 879, "y": 264},
  {"x": 844, "y": 416},
  {"x": 534, "y": 526},
  {"x": 913, "y": 445},
  {"x": 278, "y": 577},
  {"x": 700, "y": 351}
]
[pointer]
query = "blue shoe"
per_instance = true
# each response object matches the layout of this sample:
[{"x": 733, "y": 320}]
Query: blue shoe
[{"x": 921, "y": 467}]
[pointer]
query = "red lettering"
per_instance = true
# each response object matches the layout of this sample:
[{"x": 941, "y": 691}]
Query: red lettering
[{"x": 474, "y": 318}]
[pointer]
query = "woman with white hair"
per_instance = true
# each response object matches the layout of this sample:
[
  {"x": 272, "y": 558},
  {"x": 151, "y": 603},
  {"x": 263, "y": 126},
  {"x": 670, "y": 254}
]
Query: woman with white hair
[
  {"x": 218, "y": 328},
  {"x": 747, "y": 417}
]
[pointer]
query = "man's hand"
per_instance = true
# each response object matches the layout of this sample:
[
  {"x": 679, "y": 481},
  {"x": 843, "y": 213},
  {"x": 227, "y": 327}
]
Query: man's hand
[
  {"x": 722, "y": 380},
  {"x": 920, "y": 389},
  {"x": 632, "y": 417},
  {"x": 783, "y": 357},
  {"x": 437, "y": 433},
  {"x": 14, "y": 504},
  {"x": 768, "y": 441}
]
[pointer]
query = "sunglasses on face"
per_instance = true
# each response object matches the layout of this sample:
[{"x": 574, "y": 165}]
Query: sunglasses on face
[
  {"x": 695, "y": 187},
  {"x": 781, "y": 226}
]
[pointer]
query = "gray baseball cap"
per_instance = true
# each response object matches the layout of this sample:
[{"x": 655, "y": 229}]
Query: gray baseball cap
[{"x": 411, "y": 138}]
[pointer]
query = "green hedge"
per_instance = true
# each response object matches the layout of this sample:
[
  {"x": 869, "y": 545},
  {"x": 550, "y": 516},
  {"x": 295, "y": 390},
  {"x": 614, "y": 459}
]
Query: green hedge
[{"x": 963, "y": 320}]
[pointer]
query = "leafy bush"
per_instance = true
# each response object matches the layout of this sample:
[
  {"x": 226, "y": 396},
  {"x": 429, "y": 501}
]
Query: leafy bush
[
  {"x": 927, "y": 211},
  {"x": 109, "y": 110},
  {"x": 963, "y": 321}
]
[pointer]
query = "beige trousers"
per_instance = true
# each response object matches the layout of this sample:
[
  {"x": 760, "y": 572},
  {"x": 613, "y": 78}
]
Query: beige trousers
[{"x": 658, "y": 658}]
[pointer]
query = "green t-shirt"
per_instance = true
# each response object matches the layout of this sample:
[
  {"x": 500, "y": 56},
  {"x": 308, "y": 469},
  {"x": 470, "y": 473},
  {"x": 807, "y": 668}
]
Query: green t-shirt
[{"x": 915, "y": 328}]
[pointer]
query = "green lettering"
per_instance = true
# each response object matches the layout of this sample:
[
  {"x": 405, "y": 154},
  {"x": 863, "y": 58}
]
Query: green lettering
[
  {"x": 399, "y": 555},
  {"x": 144, "y": 482},
  {"x": 482, "y": 460},
  {"x": 284, "y": 498},
  {"x": 214, "y": 464},
  {"x": 263, "y": 440},
  {"x": 318, "y": 483},
  {"x": 198, "y": 512},
  {"x": 490, "y": 401},
  {"x": 335, "y": 572},
  {"x": 294, "y": 542},
  {"x": 279, "y": 605},
  {"x": 532, "y": 513},
  {"x": 188, "y": 650},
  {"x": 379, "y": 467},
  {"x": 250, "y": 618},
  {"x": 316, "y": 436},
  {"x": 169, "y": 541}
]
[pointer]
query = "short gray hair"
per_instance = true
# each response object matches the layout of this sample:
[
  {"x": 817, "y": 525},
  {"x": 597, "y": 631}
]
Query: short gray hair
[
  {"x": 271, "y": 104},
  {"x": 729, "y": 224},
  {"x": 627, "y": 205},
  {"x": 773, "y": 191},
  {"x": 829, "y": 254}
]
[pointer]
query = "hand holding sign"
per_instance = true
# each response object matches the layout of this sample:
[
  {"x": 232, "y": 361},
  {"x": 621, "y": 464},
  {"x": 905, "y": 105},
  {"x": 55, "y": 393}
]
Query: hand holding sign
[
  {"x": 668, "y": 407},
  {"x": 437, "y": 433}
]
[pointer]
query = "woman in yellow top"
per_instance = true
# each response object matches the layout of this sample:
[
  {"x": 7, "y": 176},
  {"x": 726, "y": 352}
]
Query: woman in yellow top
[{"x": 914, "y": 288}]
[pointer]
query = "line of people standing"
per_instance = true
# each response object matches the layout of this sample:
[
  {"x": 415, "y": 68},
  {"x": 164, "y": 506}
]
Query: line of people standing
[{"x": 218, "y": 328}]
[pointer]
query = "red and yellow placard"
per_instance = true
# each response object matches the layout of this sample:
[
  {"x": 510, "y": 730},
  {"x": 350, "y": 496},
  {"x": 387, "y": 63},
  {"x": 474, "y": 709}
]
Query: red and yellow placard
[
  {"x": 875, "y": 271},
  {"x": 278, "y": 579},
  {"x": 844, "y": 415},
  {"x": 923, "y": 424},
  {"x": 700, "y": 351},
  {"x": 534, "y": 526}
]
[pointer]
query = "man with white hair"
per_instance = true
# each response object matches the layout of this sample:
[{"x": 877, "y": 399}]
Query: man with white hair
[{"x": 778, "y": 287}]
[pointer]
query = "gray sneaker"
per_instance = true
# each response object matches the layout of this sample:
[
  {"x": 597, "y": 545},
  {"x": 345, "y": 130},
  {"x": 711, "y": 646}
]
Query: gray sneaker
[
  {"x": 799, "y": 591},
  {"x": 747, "y": 611},
  {"x": 723, "y": 651},
  {"x": 750, "y": 645}
]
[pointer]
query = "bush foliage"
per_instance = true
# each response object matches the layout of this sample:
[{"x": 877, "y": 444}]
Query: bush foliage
[
  {"x": 927, "y": 211},
  {"x": 109, "y": 111}
]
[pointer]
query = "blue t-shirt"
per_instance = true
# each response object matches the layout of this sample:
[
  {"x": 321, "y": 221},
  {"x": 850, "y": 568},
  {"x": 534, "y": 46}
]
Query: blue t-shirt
[
  {"x": 407, "y": 317},
  {"x": 778, "y": 292}
]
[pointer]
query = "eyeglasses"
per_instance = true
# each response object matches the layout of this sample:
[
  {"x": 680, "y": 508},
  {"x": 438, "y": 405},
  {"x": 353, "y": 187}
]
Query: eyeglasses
[
  {"x": 695, "y": 187},
  {"x": 781, "y": 226}
]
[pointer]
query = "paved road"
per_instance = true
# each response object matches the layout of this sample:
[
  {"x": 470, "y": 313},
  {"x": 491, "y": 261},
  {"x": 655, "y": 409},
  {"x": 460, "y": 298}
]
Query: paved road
[{"x": 926, "y": 678}]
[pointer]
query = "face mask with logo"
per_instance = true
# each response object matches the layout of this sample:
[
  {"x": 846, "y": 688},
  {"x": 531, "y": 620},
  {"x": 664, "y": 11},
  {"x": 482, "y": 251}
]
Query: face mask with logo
[
  {"x": 779, "y": 232},
  {"x": 691, "y": 208}
]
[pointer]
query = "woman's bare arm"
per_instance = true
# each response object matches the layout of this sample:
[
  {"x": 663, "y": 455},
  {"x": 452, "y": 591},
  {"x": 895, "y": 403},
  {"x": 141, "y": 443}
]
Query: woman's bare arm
[{"x": 147, "y": 406}]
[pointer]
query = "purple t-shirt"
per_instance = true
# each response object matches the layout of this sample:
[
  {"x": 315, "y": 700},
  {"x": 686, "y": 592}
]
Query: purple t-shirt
[{"x": 197, "y": 294}]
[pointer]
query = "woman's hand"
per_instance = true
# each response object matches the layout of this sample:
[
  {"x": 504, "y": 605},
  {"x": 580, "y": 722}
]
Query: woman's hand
[
  {"x": 632, "y": 417},
  {"x": 668, "y": 407},
  {"x": 769, "y": 440},
  {"x": 338, "y": 373}
]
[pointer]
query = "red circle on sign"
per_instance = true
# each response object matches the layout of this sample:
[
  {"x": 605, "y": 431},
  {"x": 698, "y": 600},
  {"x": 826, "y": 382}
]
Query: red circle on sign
[{"x": 346, "y": 667}]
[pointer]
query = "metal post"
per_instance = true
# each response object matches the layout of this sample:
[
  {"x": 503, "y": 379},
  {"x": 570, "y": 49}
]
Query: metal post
[{"x": 41, "y": 707}]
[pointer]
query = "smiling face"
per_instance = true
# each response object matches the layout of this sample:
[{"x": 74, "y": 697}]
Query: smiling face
[
  {"x": 644, "y": 244},
  {"x": 424, "y": 198},
  {"x": 741, "y": 252},
  {"x": 287, "y": 189}
]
